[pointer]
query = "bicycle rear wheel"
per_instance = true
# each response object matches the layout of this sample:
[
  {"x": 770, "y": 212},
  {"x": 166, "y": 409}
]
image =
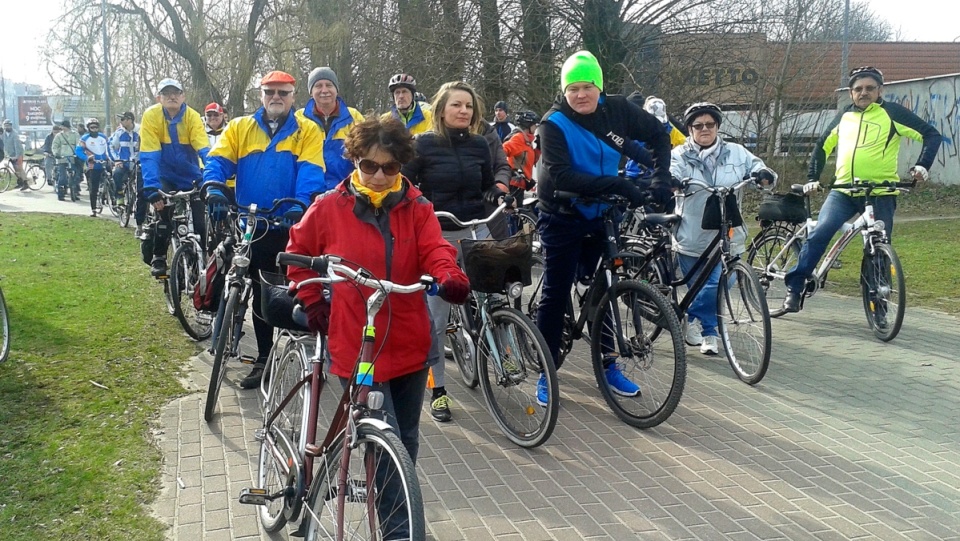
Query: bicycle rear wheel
[
  {"x": 512, "y": 357},
  {"x": 186, "y": 271},
  {"x": 4, "y": 328},
  {"x": 221, "y": 350},
  {"x": 771, "y": 263},
  {"x": 461, "y": 344},
  {"x": 744, "y": 322},
  {"x": 381, "y": 497},
  {"x": 658, "y": 366},
  {"x": 884, "y": 291},
  {"x": 281, "y": 444}
]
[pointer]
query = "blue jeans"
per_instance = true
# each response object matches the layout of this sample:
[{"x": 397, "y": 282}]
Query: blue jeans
[
  {"x": 402, "y": 400},
  {"x": 571, "y": 246},
  {"x": 836, "y": 210},
  {"x": 704, "y": 306}
]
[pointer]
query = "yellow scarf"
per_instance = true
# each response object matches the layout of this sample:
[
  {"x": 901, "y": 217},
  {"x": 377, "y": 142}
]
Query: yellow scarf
[{"x": 376, "y": 198}]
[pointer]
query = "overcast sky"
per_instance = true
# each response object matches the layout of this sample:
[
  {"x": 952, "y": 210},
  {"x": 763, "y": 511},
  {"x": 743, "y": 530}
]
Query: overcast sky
[{"x": 23, "y": 32}]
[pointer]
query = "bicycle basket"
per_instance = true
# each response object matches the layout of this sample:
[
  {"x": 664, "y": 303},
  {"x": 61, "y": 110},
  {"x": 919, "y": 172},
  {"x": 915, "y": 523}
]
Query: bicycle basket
[
  {"x": 711, "y": 212},
  {"x": 783, "y": 208},
  {"x": 491, "y": 264},
  {"x": 276, "y": 304}
]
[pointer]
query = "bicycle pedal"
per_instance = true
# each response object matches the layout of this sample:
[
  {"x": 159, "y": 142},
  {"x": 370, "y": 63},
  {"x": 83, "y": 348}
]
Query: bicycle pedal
[
  {"x": 254, "y": 496},
  {"x": 248, "y": 359}
]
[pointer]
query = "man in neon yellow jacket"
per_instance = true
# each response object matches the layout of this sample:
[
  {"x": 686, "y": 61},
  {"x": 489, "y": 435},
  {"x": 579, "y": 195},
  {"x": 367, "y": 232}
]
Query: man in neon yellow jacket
[
  {"x": 274, "y": 154},
  {"x": 866, "y": 136},
  {"x": 172, "y": 143}
]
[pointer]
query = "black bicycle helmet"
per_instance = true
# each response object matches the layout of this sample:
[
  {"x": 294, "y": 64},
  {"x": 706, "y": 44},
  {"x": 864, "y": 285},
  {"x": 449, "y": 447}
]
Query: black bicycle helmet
[
  {"x": 525, "y": 119},
  {"x": 702, "y": 108},
  {"x": 402, "y": 80},
  {"x": 865, "y": 71}
]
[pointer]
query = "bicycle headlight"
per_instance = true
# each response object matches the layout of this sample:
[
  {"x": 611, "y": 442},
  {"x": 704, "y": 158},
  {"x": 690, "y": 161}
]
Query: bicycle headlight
[
  {"x": 182, "y": 230},
  {"x": 514, "y": 290},
  {"x": 879, "y": 226},
  {"x": 375, "y": 400}
]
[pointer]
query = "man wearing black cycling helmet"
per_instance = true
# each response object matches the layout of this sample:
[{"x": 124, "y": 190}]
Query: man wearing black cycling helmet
[
  {"x": 414, "y": 114},
  {"x": 867, "y": 137}
]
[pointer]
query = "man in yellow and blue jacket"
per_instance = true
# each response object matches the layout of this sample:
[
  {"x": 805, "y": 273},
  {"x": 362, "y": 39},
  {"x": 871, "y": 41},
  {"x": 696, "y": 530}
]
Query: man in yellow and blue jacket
[
  {"x": 274, "y": 154},
  {"x": 866, "y": 136},
  {"x": 172, "y": 143},
  {"x": 331, "y": 114},
  {"x": 415, "y": 115}
]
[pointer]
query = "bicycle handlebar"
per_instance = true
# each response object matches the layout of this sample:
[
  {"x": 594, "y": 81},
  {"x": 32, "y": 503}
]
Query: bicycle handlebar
[
  {"x": 612, "y": 198},
  {"x": 231, "y": 200},
  {"x": 860, "y": 185},
  {"x": 331, "y": 270},
  {"x": 179, "y": 195},
  {"x": 478, "y": 221},
  {"x": 687, "y": 182}
]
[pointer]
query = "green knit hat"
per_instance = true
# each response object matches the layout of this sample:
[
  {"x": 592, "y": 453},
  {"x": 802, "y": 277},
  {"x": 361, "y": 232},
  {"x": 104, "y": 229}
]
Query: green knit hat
[{"x": 581, "y": 67}]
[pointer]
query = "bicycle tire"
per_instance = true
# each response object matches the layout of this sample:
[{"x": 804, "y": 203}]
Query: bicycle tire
[
  {"x": 510, "y": 387},
  {"x": 372, "y": 443},
  {"x": 186, "y": 271},
  {"x": 4, "y": 328},
  {"x": 280, "y": 464},
  {"x": 6, "y": 178},
  {"x": 126, "y": 210},
  {"x": 224, "y": 341},
  {"x": 36, "y": 176},
  {"x": 892, "y": 289},
  {"x": 770, "y": 269},
  {"x": 112, "y": 196},
  {"x": 743, "y": 322},
  {"x": 462, "y": 346},
  {"x": 658, "y": 366}
]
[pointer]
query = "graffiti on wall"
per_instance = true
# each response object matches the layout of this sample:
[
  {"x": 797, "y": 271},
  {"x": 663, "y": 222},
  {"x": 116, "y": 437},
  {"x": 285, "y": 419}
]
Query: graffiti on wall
[{"x": 938, "y": 102}]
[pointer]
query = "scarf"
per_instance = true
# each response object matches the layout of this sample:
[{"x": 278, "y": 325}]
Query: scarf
[{"x": 376, "y": 198}]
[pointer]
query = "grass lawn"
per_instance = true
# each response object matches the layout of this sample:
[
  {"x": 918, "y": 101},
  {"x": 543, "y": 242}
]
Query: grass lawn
[{"x": 94, "y": 357}]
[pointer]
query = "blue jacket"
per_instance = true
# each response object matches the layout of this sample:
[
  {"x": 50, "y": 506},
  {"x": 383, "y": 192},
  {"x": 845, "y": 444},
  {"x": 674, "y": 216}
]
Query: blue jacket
[
  {"x": 289, "y": 164},
  {"x": 337, "y": 167},
  {"x": 93, "y": 146},
  {"x": 171, "y": 148},
  {"x": 124, "y": 145}
]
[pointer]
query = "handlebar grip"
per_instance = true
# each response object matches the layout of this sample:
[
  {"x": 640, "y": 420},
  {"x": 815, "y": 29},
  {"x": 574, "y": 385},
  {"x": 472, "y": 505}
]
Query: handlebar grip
[
  {"x": 562, "y": 194},
  {"x": 316, "y": 264},
  {"x": 434, "y": 289}
]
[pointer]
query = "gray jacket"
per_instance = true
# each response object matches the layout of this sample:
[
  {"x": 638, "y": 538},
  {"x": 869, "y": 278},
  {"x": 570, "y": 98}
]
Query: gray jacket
[
  {"x": 732, "y": 163},
  {"x": 12, "y": 147}
]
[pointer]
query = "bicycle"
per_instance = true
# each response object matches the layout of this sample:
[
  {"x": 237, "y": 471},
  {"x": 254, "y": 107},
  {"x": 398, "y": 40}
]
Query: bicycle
[
  {"x": 621, "y": 314},
  {"x": 498, "y": 345},
  {"x": 348, "y": 491},
  {"x": 107, "y": 196},
  {"x": 238, "y": 287},
  {"x": 4, "y": 328},
  {"x": 742, "y": 314},
  {"x": 125, "y": 211},
  {"x": 776, "y": 250}
]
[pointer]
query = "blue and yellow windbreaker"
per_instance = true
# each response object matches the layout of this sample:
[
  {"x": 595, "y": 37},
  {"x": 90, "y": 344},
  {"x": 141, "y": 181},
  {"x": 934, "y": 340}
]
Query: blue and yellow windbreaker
[
  {"x": 288, "y": 165},
  {"x": 337, "y": 167},
  {"x": 420, "y": 121},
  {"x": 171, "y": 148}
]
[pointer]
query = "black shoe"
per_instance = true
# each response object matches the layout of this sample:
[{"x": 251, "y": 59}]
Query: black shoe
[
  {"x": 440, "y": 409},
  {"x": 252, "y": 381},
  {"x": 60, "y": 198},
  {"x": 24, "y": 188},
  {"x": 158, "y": 267},
  {"x": 791, "y": 303}
]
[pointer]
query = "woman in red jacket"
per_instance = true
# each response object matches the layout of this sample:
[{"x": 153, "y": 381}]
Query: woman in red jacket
[{"x": 379, "y": 221}]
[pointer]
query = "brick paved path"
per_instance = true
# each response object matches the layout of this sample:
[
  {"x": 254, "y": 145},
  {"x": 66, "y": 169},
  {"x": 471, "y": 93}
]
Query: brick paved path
[{"x": 846, "y": 438}]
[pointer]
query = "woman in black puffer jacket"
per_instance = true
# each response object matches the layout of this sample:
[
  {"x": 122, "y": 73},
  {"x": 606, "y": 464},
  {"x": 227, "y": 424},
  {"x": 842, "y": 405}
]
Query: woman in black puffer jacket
[{"x": 454, "y": 170}]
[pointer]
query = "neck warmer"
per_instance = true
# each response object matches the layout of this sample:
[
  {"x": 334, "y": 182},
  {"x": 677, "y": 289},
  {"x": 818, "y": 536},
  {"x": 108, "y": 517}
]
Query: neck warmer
[{"x": 376, "y": 198}]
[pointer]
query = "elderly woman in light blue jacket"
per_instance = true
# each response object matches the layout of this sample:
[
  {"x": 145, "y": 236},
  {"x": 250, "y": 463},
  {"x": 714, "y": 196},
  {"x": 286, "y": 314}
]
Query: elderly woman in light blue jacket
[{"x": 706, "y": 157}]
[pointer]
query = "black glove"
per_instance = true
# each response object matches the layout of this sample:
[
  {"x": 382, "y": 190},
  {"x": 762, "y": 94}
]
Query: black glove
[
  {"x": 660, "y": 194},
  {"x": 291, "y": 217},
  {"x": 493, "y": 195},
  {"x": 629, "y": 189},
  {"x": 764, "y": 175}
]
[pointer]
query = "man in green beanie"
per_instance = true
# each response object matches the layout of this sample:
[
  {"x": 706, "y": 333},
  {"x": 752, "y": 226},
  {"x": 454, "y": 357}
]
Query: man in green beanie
[{"x": 582, "y": 139}]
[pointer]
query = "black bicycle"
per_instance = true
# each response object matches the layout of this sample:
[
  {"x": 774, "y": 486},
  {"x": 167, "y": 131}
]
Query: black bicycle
[{"x": 621, "y": 315}]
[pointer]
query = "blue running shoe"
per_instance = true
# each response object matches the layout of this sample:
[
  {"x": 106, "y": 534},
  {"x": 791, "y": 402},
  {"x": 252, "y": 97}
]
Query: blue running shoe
[
  {"x": 619, "y": 383},
  {"x": 542, "y": 392}
]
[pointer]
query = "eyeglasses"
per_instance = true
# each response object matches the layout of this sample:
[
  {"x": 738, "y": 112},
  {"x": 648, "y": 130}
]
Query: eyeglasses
[
  {"x": 371, "y": 167},
  {"x": 171, "y": 93},
  {"x": 704, "y": 126},
  {"x": 868, "y": 89},
  {"x": 269, "y": 92}
]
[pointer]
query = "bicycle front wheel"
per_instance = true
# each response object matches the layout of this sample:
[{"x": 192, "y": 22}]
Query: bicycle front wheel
[
  {"x": 461, "y": 345},
  {"x": 381, "y": 496},
  {"x": 186, "y": 271},
  {"x": 884, "y": 291},
  {"x": 644, "y": 377},
  {"x": 281, "y": 457},
  {"x": 36, "y": 177},
  {"x": 744, "y": 322},
  {"x": 518, "y": 377},
  {"x": 6, "y": 178},
  {"x": 4, "y": 328},
  {"x": 126, "y": 209},
  {"x": 226, "y": 329},
  {"x": 771, "y": 262}
]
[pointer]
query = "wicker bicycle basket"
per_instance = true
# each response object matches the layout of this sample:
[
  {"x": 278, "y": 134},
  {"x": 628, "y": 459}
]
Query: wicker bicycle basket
[
  {"x": 491, "y": 264},
  {"x": 783, "y": 208}
]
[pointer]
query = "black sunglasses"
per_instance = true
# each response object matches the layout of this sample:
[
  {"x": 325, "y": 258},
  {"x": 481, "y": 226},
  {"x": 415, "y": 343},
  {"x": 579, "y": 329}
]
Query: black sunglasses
[
  {"x": 371, "y": 167},
  {"x": 271, "y": 92}
]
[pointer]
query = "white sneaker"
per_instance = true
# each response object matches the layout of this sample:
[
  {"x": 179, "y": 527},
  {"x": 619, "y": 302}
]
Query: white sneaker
[
  {"x": 709, "y": 346},
  {"x": 692, "y": 334}
]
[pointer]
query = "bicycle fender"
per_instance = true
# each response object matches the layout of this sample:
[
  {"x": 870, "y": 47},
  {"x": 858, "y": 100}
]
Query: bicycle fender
[{"x": 376, "y": 423}]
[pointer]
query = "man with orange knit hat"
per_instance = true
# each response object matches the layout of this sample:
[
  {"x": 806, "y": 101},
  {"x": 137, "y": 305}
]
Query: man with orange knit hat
[{"x": 273, "y": 154}]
